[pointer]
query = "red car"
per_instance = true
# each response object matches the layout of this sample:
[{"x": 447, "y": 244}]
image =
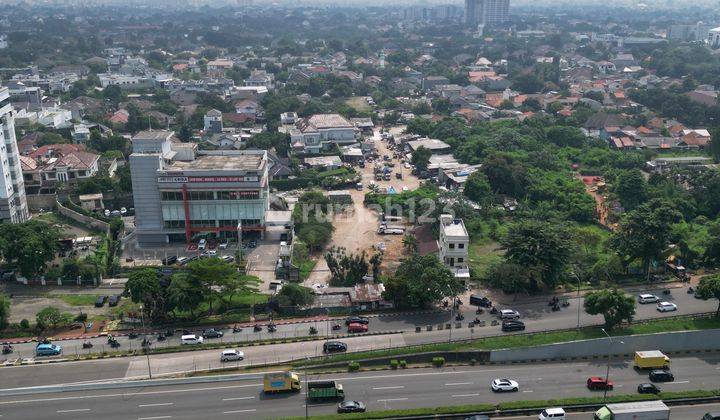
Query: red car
[
  {"x": 356, "y": 327},
  {"x": 597, "y": 382}
]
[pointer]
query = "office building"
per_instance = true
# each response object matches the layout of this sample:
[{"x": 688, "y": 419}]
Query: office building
[
  {"x": 182, "y": 194},
  {"x": 486, "y": 12},
  {"x": 13, "y": 205}
]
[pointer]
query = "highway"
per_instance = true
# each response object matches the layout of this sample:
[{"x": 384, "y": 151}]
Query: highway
[
  {"x": 537, "y": 316},
  {"x": 379, "y": 390}
]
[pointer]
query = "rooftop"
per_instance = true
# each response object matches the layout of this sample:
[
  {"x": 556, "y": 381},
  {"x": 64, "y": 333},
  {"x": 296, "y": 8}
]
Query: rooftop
[
  {"x": 453, "y": 227},
  {"x": 432, "y": 144},
  {"x": 153, "y": 135},
  {"x": 243, "y": 162}
]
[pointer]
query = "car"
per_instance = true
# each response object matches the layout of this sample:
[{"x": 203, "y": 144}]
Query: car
[
  {"x": 209, "y": 253},
  {"x": 666, "y": 307},
  {"x": 169, "y": 260},
  {"x": 191, "y": 339},
  {"x": 356, "y": 327},
  {"x": 228, "y": 258},
  {"x": 513, "y": 326},
  {"x": 334, "y": 347},
  {"x": 715, "y": 415},
  {"x": 100, "y": 302},
  {"x": 123, "y": 211},
  {"x": 596, "y": 382},
  {"x": 183, "y": 260},
  {"x": 509, "y": 314},
  {"x": 357, "y": 320},
  {"x": 202, "y": 244},
  {"x": 504, "y": 385},
  {"x": 231, "y": 355},
  {"x": 107, "y": 212},
  {"x": 212, "y": 333},
  {"x": 481, "y": 301},
  {"x": 555, "y": 413},
  {"x": 661, "y": 375},
  {"x": 223, "y": 245},
  {"x": 647, "y": 298},
  {"x": 252, "y": 244},
  {"x": 648, "y": 388},
  {"x": 351, "y": 407},
  {"x": 115, "y": 213},
  {"x": 114, "y": 300},
  {"x": 48, "y": 350}
]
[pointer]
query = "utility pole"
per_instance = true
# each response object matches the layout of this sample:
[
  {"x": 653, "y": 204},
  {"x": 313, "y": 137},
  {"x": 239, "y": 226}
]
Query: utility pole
[
  {"x": 146, "y": 349},
  {"x": 607, "y": 372}
]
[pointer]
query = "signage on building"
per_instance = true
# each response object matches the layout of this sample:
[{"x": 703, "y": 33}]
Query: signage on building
[
  {"x": 183, "y": 179},
  {"x": 174, "y": 179}
]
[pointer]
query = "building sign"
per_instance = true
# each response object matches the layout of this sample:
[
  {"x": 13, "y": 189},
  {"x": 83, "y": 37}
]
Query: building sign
[
  {"x": 173, "y": 179},
  {"x": 184, "y": 179}
]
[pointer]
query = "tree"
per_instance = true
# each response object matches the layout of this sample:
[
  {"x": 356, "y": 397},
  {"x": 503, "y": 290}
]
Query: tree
[
  {"x": 631, "y": 188},
  {"x": 30, "y": 245},
  {"x": 614, "y": 305},
  {"x": 477, "y": 188},
  {"x": 709, "y": 288},
  {"x": 509, "y": 277},
  {"x": 143, "y": 286},
  {"x": 528, "y": 83},
  {"x": 410, "y": 243},
  {"x": 565, "y": 136},
  {"x": 346, "y": 269},
  {"x": 421, "y": 281},
  {"x": 293, "y": 294},
  {"x": 714, "y": 146},
  {"x": 52, "y": 317},
  {"x": 421, "y": 158},
  {"x": 4, "y": 311},
  {"x": 183, "y": 294}
]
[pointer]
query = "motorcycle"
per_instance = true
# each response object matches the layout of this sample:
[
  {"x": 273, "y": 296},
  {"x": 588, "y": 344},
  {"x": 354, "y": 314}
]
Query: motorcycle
[
  {"x": 132, "y": 335},
  {"x": 565, "y": 304},
  {"x": 161, "y": 337},
  {"x": 236, "y": 329},
  {"x": 313, "y": 331},
  {"x": 7, "y": 349},
  {"x": 493, "y": 310},
  {"x": 690, "y": 290},
  {"x": 336, "y": 327},
  {"x": 477, "y": 321},
  {"x": 553, "y": 301},
  {"x": 257, "y": 328},
  {"x": 271, "y": 328},
  {"x": 459, "y": 317},
  {"x": 556, "y": 308},
  {"x": 87, "y": 345},
  {"x": 146, "y": 342},
  {"x": 666, "y": 292},
  {"x": 113, "y": 342}
]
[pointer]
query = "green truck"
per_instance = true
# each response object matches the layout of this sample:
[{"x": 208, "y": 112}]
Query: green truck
[{"x": 325, "y": 391}]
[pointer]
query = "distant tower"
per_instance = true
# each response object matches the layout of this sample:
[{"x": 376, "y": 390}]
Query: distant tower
[
  {"x": 382, "y": 59},
  {"x": 488, "y": 12}
]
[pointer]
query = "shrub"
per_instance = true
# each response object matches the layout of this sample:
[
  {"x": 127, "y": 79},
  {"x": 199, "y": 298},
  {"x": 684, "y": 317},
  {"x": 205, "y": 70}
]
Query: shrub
[
  {"x": 403, "y": 364},
  {"x": 473, "y": 362},
  {"x": 82, "y": 317},
  {"x": 24, "y": 324},
  {"x": 394, "y": 364},
  {"x": 438, "y": 361},
  {"x": 353, "y": 366}
]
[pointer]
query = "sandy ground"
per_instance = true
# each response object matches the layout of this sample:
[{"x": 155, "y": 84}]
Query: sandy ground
[{"x": 357, "y": 230}]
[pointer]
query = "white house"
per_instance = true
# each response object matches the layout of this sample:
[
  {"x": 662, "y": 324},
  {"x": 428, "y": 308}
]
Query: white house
[
  {"x": 213, "y": 122},
  {"x": 453, "y": 245},
  {"x": 322, "y": 130}
]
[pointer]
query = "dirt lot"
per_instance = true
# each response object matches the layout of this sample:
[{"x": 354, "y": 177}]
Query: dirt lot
[
  {"x": 357, "y": 230},
  {"x": 27, "y": 301}
]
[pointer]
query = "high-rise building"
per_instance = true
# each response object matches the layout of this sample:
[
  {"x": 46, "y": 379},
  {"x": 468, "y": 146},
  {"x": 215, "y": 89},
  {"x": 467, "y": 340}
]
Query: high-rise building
[
  {"x": 486, "y": 12},
  {"x": 13, "y": 205}
]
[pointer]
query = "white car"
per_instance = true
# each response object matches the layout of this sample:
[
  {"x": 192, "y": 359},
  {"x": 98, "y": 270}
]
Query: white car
[
  {"x": 231, "y": 355},
  {"x": 210, "y": 253},
  {"x": 552, "y": 414},
  {"x": 191, "y": 339},
  {"x": 666, "y": 307},
  {"x": 647, "y": 298},
  {"x": 504, "y": 385},
  {"x": 509, "y": 314}
]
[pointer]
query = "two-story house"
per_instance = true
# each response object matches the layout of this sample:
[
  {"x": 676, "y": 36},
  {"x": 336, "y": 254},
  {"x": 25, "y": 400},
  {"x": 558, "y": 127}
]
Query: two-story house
[
  {"x": 453, "y": 246},
  {"x": 320, "y": 131}
]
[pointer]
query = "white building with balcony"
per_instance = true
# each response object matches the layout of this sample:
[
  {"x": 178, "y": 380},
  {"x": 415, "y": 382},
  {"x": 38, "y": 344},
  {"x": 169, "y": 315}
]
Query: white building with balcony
[
  {"x": 321, "y": 131},
  {"x": 453, "y": 246}
]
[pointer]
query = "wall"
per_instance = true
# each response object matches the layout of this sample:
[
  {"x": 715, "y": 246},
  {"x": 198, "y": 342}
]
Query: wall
[
  {"x": 669, "y": 343},
  {"x": 89, "y": 221},
  {"x": 41, "y": 201}
]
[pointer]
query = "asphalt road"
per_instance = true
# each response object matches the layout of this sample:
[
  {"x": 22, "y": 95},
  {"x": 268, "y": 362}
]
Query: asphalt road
[{"x": 379, "y": 390}]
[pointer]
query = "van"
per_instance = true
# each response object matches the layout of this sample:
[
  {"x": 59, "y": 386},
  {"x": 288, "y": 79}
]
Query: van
[
  {"x": 191, "y": 339},
  {"x": 202, "y": 244},
  {"x": 552, "y": 413}
]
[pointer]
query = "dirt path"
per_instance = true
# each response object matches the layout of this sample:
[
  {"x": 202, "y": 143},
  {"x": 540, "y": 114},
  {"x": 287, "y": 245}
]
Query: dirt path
[{"x": 591, "y": 187}]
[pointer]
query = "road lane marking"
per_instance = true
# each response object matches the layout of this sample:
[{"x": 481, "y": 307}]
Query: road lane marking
[
  {"x": 390, "y": 387},
  {"x": 77, "y": 410},
  {"x": 393, "y": 399},
  {"x": 155, "y": 405},
  {"x": 240, "y": 411},
  {"x": 465, "y": 395},
  {"x": 459, "y": 383},
  {"x": 237, "y": 398},
  {"x": 528, "y": 390},
  {"x": 677, "y": 382},
  {"x": 154, "y": 418}
]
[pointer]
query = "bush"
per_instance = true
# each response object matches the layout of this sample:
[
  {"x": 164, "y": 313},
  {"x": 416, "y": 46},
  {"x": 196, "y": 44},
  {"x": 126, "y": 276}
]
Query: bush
[
  {"x": 438, "y": 361},
  {"x": 473, "y": 362},
  {"x": 81, "y": 317},
  {"x": 353, "y": 366},
  {"x": 394, "y": 364},
  {"x": 24, "y": 324},
  {"x": 403, "y": 364}
]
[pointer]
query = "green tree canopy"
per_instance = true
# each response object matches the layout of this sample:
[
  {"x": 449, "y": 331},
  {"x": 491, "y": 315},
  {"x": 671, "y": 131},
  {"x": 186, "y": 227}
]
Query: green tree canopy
[
  {"x": 421, "y": 281},
  {"x": 421, "y": 158},
  {"x": 4, "y": 311},
  {"x": 709, "y": 288},
  {"x": 613, "y": 304},
  {"x": 295, "y": 295}
]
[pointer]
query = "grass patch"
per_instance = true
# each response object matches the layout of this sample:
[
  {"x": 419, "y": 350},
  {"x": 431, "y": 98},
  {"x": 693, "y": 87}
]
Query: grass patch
[
  {"x": 483, "y": 254},
  {"x": 406, "y": 413},
  {"x": 306, "y": 267},
  {"x": 359, "y": 103},
  {"x": 77, "y": 300}
]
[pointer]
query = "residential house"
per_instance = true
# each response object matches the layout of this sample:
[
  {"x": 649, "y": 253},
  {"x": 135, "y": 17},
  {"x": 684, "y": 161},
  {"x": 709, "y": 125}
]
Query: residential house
[
  {"x": 213, "y": 122},
  {"x": 119, "y": 117},
  {"x": 431, "y": 82},
  {"x": 455, "y": 178},
  {"x": 261, "y": 78},
  {"x": 218, "y": 67},
  {"x": 80, "y": 133},
  {"x": 247, "y": 107},
  {"x": 323, "y": 162},
  {"x": 67, "y": 163},
  {"x": 365, "y": 125},
  {"x": 319, "y": 131},
  {"x": 453, "y": 245}
]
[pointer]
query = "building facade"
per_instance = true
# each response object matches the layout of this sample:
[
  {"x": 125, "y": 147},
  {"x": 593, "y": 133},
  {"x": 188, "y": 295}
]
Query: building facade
[
  {"x": 486, "y": 12},
  {"x": 182, "y": 195},
  {"x": 453, "y": 246},
  {"x": 320, "y": 131},
  {"x": 13, "y": 205}
]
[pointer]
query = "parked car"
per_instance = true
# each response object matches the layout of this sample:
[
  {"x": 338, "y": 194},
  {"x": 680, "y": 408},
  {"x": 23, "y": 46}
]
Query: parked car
[
  {"x": 48, "y": 350},
  {"x": 209, "y": 253},
  {"x": 513, "y": 326},
  {"x": 100, "y": 302},
  {"x": 480, "y": 301},
  {"x": 231, "y": 355},
  {"x": 509, "y": 314},
  {"x": 202, "y": 244},
  {"x": 357, "y": 320},
  {"x": 666, "y": 307},
  {"x": 191, "y": 339},
  {"x": 334, "y": 347},
  {"x": 252, "y": 244},
  {"x": 660, "y": 375},
  {"x": 504, "y": 385},
  {"x": 223, "y": 245},
  {"x": 169, "y": 260},
  {"x": 212, "y": 333},
  {"x": 356, "y": 327},
  {"x": 648, "y": 388},
  {"x": 114, "y": 300},
  {"x": 598, "y": 383},
  {"x": 228, "y": 258},
  {"x": 715, "y": 415},
  {"x": 351, "y": 407},
  {"x": 183, "y": 260},
  {"x": 556, "y": 413},
  {"x": 647, "y": 298}
]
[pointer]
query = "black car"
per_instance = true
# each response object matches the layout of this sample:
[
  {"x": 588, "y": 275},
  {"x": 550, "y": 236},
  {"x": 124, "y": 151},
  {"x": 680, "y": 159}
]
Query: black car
[
  {"x": 169, "y": 260},
  {"x": 357, "y": 320},
  {"x": 715, "y": 415},
  {"x": 659, "y": 375},
  {"x": 513, "y": 326},
  {"x": 481, "y": 301},
  {"x": 351, "y": 407},
  {"x": 100, "y": 301},
  {"x": 212, "y": 333},
  {"x": 114, "y": 300},
  {"x": 648, "y": 388},
  {"x": 334, "y": 347}
]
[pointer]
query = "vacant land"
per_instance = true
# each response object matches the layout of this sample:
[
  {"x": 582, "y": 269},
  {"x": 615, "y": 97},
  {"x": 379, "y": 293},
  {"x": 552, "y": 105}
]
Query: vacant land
[{"x": 359, "y": 103}]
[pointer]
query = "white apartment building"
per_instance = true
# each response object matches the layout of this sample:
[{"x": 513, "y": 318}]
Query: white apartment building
[
  {"x": 320, "y": 131},
  {"x": 453, "y": 246},
  {"x": 13, "y": 205}
]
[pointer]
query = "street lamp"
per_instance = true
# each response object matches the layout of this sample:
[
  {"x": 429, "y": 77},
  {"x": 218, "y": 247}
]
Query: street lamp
[
  {"x": 578, "y": 298},
  {"x": 607, "y": 372},
  {"x": 147, "y": 352}
]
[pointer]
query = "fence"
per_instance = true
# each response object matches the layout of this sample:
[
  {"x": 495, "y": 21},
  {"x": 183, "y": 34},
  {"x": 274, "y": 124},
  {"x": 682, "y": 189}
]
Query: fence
[{"x": 81, "y": 218}]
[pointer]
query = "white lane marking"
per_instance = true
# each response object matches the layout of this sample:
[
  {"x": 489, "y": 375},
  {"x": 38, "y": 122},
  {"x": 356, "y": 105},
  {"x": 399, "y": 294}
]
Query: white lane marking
[
  {"x": 390, "y": 387},
  {"x": 154, "y": 418},
  {"x": 677, "y": 382},
  {"x": 237, "y": 398},
  {"x": 155, "y": 405},
  {"x": 528, "y": 390},
  {"x": 393, "y": 399},
  {"x": 240, "y": 411},
  {"x": 77, "y": 410},
  {"x": 465, "y": 395},
  {"x": 459, "y": 383}
]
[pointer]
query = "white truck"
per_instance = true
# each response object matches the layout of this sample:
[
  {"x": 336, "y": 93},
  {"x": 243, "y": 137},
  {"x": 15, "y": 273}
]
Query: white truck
[
  {"x": 641, "y": 410},
  {"x": 389, "y": 230}
]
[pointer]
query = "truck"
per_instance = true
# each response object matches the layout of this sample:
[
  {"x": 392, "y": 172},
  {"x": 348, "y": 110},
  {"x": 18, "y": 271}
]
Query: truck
[
  {"x": 384, "y": 224},
  {"x": 651, "y": 359},
  {"x": 281, "y": 382},
  {"x": 390, "y": 231},
  {"x": 325, "y": 391},
  {"x": 641, "y": 410}
]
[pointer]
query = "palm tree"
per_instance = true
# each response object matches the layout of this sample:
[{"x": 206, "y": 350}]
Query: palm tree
[{"x": 410, "y": 243}]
